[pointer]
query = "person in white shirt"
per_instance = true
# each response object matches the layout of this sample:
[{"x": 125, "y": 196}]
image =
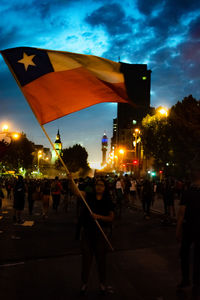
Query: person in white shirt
[{"x": 119, "y": 196}]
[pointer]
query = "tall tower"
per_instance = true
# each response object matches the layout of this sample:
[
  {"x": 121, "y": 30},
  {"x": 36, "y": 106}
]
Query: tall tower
[
  {"x": 58, "y": 147},
  {"x": 104, "y": 143}
]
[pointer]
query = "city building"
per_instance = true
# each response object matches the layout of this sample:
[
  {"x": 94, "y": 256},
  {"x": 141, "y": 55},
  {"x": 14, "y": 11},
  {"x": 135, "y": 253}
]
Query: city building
[
  {"x": 129, "y": 116},
  {"x": 104, "y": 143},
  {"x": 58, "y": 147},
  {"x": 114, "y": 137}
]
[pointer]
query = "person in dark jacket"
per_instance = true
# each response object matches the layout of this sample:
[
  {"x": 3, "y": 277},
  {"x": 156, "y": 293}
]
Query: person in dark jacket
[
  {"x": 188, "y": 229},
  {"x": 19, "y": 199},
  {"x": 147, "y": 197},
  {"x": 56, "y": 190},
  {"x": 45, "y": 192},
  {"x": 92, "y": 240},
  {"x": 31, "y": 192}
]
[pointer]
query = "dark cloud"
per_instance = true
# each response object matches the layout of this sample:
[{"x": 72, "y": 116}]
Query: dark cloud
[
  {"x": 169, "y": 7},
  {"x": 8, "y": 35},
  {"x": 169, "y": 17},
  {"x": 161, "y": 57},
  {"x": 147, "y": 7},
  {"x": 194, "y": 31},
  {"x": 191, "y": 52},
  {"x": 161, "y": 26},
  {"x": 47, "y": 8},
  {"x": 87, "y": 34},
  {"x": 112, "y": 17},
  {"x": 167, "y": 37}
]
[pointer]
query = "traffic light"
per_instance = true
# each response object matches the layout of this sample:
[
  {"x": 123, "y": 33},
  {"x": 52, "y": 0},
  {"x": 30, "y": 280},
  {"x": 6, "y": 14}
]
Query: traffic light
[{"x": 135, "y": 162}]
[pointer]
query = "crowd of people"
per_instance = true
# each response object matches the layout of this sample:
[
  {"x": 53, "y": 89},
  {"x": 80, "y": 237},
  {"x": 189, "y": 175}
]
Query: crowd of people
[
  {"x": 123, "y": 190},
  {"x": 115, "y": 193}
]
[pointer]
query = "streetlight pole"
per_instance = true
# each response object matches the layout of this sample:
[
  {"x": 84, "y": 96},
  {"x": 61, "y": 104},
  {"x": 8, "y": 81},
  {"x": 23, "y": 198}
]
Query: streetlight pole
[
  {"x": 137, "y": 156},
  {"x": 121, "y": 151},
  {"x": 39, "y": 156}
]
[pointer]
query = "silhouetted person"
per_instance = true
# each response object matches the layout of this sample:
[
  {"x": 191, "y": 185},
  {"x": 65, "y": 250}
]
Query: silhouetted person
[
  {"x": 31, "y": 190},
  {"x": 92, "y": 240},
  {"x": 19, "y": 199},
  {"x": 147, "y": 197},
  {"x": 188, "y": 228},
  {"x": 45, "y": 190},
  {"x": 56, "y": 189}
]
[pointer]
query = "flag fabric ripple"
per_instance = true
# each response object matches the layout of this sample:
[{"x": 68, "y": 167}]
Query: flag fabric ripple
[{"x": 57, "y": 83}]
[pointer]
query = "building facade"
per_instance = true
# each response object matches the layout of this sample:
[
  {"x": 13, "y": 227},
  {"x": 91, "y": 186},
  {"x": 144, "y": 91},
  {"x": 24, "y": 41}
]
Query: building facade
[
  {"x": 104, "y": 144},
  {"x": 129, "y": 116},
  {"x": 58, "y": 147}
]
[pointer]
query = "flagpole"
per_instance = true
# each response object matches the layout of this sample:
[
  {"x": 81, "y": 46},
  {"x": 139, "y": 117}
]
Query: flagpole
[{"x": 64, "y": 165}]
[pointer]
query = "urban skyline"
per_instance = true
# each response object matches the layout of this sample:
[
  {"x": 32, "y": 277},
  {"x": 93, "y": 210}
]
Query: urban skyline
[{"x": 165, "y": 35}]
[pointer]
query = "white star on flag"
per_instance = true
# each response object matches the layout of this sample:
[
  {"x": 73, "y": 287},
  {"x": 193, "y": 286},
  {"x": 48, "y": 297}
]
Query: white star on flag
[{"x": 27, "y": 60}]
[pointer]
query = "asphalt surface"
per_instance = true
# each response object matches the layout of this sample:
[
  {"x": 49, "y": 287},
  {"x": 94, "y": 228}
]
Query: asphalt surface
[{"x": 43, "y": 261}]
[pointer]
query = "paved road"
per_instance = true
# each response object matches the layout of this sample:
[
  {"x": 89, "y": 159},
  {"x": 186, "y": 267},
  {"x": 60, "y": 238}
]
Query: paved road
[{"x": 43, "y": 261}]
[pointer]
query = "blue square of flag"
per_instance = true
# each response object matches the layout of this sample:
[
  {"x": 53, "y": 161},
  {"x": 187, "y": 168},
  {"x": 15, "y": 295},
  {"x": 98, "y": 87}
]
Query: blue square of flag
[{"x": 27, "y": 63}]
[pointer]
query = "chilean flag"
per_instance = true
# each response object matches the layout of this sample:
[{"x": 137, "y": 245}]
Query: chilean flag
[{"x": 57, "y": 83}]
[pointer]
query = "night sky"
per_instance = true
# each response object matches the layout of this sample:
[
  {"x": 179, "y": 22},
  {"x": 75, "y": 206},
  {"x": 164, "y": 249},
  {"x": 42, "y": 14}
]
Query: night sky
[{"x": 163, "y": 34}]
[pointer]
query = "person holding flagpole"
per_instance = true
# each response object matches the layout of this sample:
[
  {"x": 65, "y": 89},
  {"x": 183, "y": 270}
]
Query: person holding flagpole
[{"x": 92, "y": 241}]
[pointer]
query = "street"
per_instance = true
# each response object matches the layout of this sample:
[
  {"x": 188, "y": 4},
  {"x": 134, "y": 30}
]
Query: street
[{"x": 43, "y": 260}]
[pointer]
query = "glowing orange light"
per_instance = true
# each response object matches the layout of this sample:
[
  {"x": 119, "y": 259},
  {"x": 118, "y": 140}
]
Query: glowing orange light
[
  {"x": 163, "y": 111},
  {"x": 5, "y": 127},
  {"x": 16, "y": 136},
  {"x": 121, "y": 151}
]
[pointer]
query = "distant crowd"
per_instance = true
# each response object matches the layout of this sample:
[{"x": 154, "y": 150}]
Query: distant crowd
[{"x": 124, "y": 191}]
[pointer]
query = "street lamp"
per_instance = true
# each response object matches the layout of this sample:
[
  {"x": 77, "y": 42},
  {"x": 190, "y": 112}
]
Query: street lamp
[
  {"x": 15, "y": 136},
  {"x": 137, "y": 132},
  {"x": 163, "y": 111},
  {"x": 121, "y": 151},
  {"x": 5, "y": 128},
  {"x": 137, "y": 150},
  {"x": 39, "y": 155}
]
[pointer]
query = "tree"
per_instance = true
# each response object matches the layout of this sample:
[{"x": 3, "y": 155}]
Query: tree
[
  {"x": 3, "y": 149},
  {"x": 75, "y": 158},
  {"x": 19, "y": 154},
  {"x": 185, "y": 134},
  {"x": 174, "y": 140},
  {"x": 156, "y": 139}
]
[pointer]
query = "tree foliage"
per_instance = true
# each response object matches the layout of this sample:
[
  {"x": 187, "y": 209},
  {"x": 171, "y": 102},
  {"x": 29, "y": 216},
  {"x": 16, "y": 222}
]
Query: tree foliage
[
  {"x": 175, "y": 140},
  {"x": 19, "y": 154},
  {"x": 75, "y": 158}
]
